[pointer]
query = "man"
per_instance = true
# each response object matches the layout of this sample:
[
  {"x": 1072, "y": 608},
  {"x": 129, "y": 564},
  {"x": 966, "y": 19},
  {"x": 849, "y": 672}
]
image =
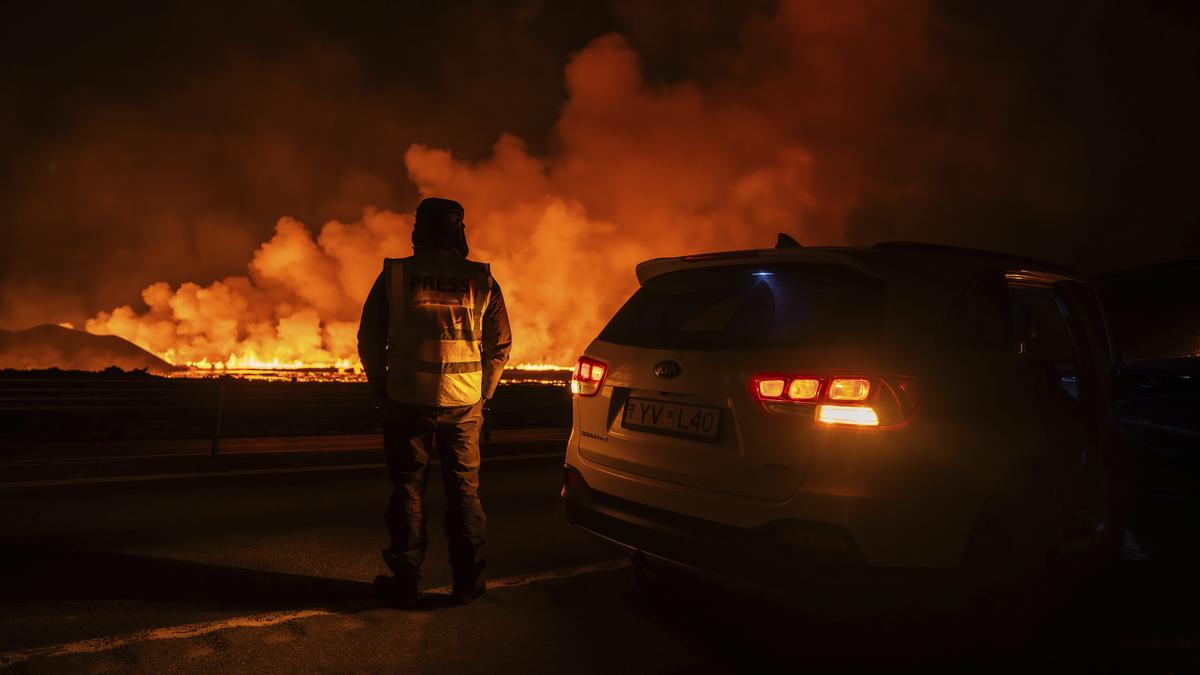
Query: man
[{"x": 433, "y": 340}]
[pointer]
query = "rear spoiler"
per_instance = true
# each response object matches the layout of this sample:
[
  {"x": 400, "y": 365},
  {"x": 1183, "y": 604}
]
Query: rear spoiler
[{"x": 648, "y": 269}]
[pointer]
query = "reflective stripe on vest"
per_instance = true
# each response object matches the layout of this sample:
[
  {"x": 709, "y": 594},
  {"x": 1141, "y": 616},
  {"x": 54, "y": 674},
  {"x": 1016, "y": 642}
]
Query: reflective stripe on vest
[{"x": 436, "y": 301}]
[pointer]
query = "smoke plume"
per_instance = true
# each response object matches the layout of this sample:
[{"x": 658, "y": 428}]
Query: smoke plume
[{"x": 641, "y": 170}]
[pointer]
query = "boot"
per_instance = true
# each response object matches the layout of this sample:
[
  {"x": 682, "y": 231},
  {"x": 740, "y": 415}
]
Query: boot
[
  {"x": 469, "y": 582},
  {"x": 399, "y": 590}
]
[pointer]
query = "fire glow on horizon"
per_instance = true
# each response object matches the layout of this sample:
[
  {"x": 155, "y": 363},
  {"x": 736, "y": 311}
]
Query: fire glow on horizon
[
  {"x": 251, "y": 363},
  {"x": 523, "y": 373}
]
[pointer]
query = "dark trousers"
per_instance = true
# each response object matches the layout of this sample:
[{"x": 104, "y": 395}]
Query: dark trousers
[{"x": 410, "y": 434}]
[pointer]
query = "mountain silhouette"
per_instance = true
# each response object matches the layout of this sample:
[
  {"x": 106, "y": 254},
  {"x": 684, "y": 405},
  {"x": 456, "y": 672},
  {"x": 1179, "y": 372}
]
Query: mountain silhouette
[{"x": 50, "y": 346}]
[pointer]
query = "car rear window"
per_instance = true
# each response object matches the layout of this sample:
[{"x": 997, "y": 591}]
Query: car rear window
[
  {"x": 745, "y": 306},
  {"x": 1155, "y": 316}
]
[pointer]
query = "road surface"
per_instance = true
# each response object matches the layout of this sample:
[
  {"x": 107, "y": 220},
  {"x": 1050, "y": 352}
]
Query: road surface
[
  {"x": 270, "y": 573},
  {"x": 77, "y": 463}
]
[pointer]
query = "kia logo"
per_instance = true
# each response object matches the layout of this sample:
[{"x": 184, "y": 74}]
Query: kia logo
[{"x": 668, "y": 368}]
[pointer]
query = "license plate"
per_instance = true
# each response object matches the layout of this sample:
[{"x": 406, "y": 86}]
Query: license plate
[{"x": 674, "y": 419}]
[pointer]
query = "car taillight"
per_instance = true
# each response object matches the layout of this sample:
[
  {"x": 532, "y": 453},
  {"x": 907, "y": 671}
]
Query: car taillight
[
  {"x": 852, "y": 415},
  {"x": 588, "y": 376},
  {"x": 783, "y": 388},
  {"x": 768, "y": 389},
  {"x": 572, "y": 480},
  {"x": 849, "y": 389},
  {"x": 803, "y": 389},
  {"x": 884, "y": 402}
]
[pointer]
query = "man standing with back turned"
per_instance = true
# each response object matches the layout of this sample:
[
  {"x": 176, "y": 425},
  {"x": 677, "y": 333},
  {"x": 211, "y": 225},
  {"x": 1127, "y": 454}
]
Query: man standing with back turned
[{"x": 433, "y": 340}]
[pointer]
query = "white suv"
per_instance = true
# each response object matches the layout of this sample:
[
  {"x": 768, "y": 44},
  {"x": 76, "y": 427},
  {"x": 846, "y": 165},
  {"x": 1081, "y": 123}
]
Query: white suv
[{"x": 747, "y": 413}]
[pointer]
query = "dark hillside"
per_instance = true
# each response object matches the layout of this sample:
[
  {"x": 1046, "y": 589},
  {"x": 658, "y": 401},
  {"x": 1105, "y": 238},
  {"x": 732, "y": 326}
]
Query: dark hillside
[{"x": 51, "y": 346}]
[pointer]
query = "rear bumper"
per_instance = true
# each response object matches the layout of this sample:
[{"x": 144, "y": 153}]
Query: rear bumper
[
  {"x": 777, "y": 553},
  {"x": 867, "y": 508}
]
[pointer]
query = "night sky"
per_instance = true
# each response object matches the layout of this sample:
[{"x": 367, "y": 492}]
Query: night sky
[{"x": 148, "y": 142}]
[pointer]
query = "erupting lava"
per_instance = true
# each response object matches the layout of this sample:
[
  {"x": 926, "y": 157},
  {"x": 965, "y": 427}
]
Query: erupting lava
[
  {"x": 524, "y": 373},
  {"x": 252, "y": 363}
]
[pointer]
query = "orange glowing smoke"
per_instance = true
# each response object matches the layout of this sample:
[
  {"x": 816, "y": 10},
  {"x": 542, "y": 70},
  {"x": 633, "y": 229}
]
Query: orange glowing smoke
[{"x": 767, "y": 144}]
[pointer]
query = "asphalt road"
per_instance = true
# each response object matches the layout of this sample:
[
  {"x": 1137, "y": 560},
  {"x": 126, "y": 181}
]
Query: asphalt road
[
  {"x": 270, "y": 574},
  {"x": 13, "y": 453}
]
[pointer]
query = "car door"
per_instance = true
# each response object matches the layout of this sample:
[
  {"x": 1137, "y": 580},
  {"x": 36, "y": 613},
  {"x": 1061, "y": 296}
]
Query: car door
[
  {"x": 1064, "y": 382},
  {"x": 1152, "y": 320}
]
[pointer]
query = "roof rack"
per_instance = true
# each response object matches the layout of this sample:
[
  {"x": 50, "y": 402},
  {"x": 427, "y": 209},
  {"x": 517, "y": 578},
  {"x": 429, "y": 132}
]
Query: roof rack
[{"x": 980, "y": 253}]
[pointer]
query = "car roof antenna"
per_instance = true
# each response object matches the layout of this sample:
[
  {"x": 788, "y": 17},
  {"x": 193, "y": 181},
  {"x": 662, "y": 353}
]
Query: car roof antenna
[{"x": 786, "y": 241}]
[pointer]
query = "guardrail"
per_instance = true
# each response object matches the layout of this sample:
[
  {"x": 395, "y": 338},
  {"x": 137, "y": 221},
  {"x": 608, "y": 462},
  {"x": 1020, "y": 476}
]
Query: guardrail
[{"x": 89, "y": 409}]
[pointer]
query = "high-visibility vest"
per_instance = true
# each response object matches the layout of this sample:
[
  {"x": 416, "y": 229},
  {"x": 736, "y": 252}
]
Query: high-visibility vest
[{"x": 436, "y": 301}]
